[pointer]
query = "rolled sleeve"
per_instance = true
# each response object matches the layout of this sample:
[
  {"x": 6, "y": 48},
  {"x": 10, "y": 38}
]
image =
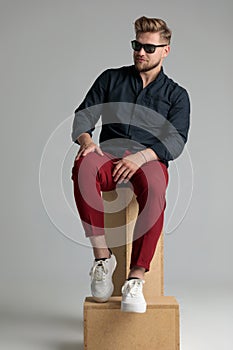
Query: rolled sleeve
[
  {"x": 89, "y": 111},
  {"x": 175, "y": 132}
]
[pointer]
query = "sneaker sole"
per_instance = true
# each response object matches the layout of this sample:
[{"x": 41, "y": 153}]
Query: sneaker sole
[
  {"x": 139, "y": 308},
  {"x": 104, "y": 300}
]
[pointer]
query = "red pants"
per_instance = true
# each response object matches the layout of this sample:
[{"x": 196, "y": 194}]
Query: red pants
[{"x": 93, "y": 173}]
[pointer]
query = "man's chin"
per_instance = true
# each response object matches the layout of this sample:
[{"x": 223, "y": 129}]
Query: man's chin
[
  {"x": 145, "y": 68},
  {"x": 141, "y": 67}
]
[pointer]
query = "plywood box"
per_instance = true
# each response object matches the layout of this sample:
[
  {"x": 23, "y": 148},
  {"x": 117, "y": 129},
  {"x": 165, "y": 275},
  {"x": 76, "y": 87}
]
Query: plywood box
[{"x": 106, "y": 327}]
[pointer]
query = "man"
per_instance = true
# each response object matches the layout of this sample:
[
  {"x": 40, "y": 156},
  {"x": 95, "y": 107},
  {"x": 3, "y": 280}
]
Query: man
[{"x": 145, "y": 123}]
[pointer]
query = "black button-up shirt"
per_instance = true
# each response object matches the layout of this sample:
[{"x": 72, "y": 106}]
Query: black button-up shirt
[{"x": 133, "y": 117}]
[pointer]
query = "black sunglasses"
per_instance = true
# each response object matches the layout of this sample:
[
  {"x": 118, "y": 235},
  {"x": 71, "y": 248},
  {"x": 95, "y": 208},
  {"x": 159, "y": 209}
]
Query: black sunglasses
[{"x": 149, "y": 48}]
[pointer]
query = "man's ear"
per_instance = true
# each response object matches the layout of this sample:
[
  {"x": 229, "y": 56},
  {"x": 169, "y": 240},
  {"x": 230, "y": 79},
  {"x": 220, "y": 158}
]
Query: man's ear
[{"x": 166, "y": 50}]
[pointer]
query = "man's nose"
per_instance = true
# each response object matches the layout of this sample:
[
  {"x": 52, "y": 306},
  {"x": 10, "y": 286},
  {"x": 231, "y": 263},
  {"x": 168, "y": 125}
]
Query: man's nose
[{"x": 142, "y": 51}]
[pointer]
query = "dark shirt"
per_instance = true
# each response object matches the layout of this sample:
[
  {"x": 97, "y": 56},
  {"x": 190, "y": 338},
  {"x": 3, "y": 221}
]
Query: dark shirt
[{"x": 133, "y": 117}]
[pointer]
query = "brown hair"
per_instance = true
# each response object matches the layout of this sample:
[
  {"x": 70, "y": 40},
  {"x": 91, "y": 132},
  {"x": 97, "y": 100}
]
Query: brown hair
[{"x": 154, "y": 25}]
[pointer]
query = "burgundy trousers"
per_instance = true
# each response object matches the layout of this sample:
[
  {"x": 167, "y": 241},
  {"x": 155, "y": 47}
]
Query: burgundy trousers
[{"x": 93, "y": 173}]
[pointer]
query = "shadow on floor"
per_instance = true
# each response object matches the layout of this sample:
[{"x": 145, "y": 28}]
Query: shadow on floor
[
  {"x": 46, "y": 330},
  {"x": 73, "y": 346}
]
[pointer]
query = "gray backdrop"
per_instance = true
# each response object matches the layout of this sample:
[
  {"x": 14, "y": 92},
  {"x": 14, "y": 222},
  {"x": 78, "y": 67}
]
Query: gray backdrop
[{"x": 51, "y": 51}]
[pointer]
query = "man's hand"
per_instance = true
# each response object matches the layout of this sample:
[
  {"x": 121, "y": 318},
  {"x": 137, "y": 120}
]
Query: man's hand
[
  {"x": 127, "y": 166},
  {"x": 86, "y": 146}
]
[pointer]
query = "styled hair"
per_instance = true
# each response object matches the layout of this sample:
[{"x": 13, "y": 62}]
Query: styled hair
[{"x": 153, "y": 25}]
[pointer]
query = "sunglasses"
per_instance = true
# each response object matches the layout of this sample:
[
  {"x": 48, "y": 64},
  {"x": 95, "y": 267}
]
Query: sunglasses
[{"x": 149, "y": 48}]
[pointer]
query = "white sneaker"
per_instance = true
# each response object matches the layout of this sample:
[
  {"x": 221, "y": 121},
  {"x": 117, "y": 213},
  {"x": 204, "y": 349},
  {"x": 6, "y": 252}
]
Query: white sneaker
[
  {"x": 132, "y": 297},
  {"x": 101, "y": 279}
]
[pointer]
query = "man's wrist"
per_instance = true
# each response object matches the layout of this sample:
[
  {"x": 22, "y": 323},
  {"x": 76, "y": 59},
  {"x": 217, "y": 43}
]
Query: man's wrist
[
  {"x": 149, "y": 155},
  {"x": 143, "y": 157},
  {"x": 84, "y": 138}
]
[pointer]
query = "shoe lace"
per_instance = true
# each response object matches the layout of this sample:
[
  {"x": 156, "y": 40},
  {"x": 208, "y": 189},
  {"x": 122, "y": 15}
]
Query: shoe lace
[
  {"x": 99, "y": 271},
  {"x": 133, "y": 287}
]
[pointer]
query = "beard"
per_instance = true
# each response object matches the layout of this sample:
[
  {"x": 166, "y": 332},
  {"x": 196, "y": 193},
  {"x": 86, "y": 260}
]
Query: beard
[{"x": 146, "y": 67}]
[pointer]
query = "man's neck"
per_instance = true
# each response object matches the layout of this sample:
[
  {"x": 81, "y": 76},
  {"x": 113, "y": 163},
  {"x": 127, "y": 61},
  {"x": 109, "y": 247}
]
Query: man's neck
[{"x": 148, "y": 77}]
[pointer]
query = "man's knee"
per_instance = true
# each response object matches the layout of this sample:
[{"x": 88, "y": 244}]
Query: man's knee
[
  {"x": 88, "y": 162},
  {"x": 157, "y": 188},
  {"x": 153, "y": 184},
  {"x": 88, "y": 166}
]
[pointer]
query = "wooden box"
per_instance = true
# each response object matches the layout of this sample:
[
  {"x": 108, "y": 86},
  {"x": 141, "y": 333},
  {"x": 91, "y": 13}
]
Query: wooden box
[{"x": 106, "y": 327}]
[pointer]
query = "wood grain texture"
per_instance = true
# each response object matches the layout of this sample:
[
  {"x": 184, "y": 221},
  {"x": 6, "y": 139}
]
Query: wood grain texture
[{"x": 107, "y": 327}]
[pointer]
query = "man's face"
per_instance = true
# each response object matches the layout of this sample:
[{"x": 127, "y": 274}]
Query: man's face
[{"x": 145, "y": 62}]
